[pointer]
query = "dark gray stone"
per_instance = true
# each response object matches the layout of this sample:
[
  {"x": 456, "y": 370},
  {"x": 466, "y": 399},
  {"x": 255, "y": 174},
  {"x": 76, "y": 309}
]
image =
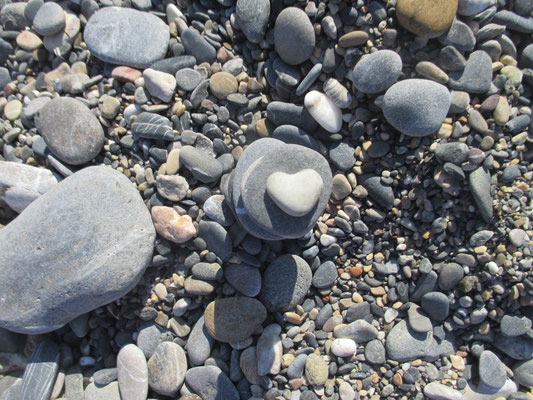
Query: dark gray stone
[
  {"x": 280, "y": 113},
  {"x": 450, "y": 275},
  {"x": 40, "y": 373},
  {"x": 5, "y": 50},
  {"x": 112, "y": 34},
  {"x": 325, "y": 276},
  {"x": 377, "y": 190},
  {"x": 217, "y": 238},
  {"x": 513, "y": 326},
  {"x": 71, "y": 131},
  {"x": 294, "y": 36},
  {"x": 100, "y": 253},
  {"x": 377, "y": 71},
  {"x": 436, "y": 305},
  {"x": 510, "y": 173},
  {"x": 173, "y": 64},
  {"x": 49, "y": 20},
  {"x": 252, "y": 18},
  {"x": 342, "y": 155},
  {"x": 293, "y": 135},
  {"x": 297, "y": 367},
  {"x": 526, "y": 57},
  {"x": 425, "y": 284},
  {"x": 148, "y": 125},
  {"x": 31, "y": 9},
  {"x": 477, "y": 75},
  {"x": 519, "y": 348},
  {"x": 491, "y": 370},
  {"x": 450, "y": 59},
  {"x": 416, "y": 107},
  {"x": 513, "y": 21},
  {"x": 523, "y": 373},
  {"x": 199, "y": 343},
  {"x": 150, "y": 336},
  {"x": 285, "y": 283},
  {"x": 460, "y": 36},
  {"x": 245, "y": 278},
  {"x": 479, "y": 182},
  {"x": 404, "y": 344},
  {"x": 455, "y": 152},
  {"x": 202, "y": 165},
  {"x": 357, "y": 311},
  {"x": 216, "y": 208},
  {"x": 210, "y": 383},
  {"x": 196, "y": 46},
  {"x": 360, "y": 331}
]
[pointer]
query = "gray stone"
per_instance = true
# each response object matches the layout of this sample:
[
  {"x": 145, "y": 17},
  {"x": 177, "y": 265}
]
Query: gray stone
[
  {"x": 20, "y": 184},
  {"x": 523, "y": 373},
  {"x": 454, "y": 152},
  {"x": 460, "y": 36},
  {"x": 483, "y": 392},
  {"x": 211, "y": 383},
  {"x": 196, "y": 46},
  {"x": 416, "y": 107},
  {"x": 342, "y": 155},
  {"x": 377, "y": 190},
  {"x": 152, "y": 126},
  {"x": 107, "y": 392},
  {"x": 199, "y": 343},
  {"x": 403, "y": 344},
  {"x": 64, "y": 233},
  {"x": 357, "y": 311},
  {"x": 477, "y": 75},
  {"x": 289, "y": 159},
  {"x": 71, "y": 131},
  {"x": 132, "y": 372},
  {"x": 449, "y": 276},
  {"x": 216, "y": 237},
  {"x": 425, "y": 284},
  {"x": 439, "y": 391},
  {"x": 294, "y": 135},
  {"x": 188, "y": 79},
  {"x": 245, "y": 278},
  {"x": 31, "y": 9},
  {"x": 296, "y": 368},
  {"x": 167, "y": 368},
  {"x": 280, "y": 113},
  {"x": 513, "y": 326},
  {"x": 105, "y": 376},
  {"x": 112, "y": 34},
  {"x": 12, "y": 16},
  {"x": 418, "y": 321},
  {"x": 450, "y": 59},
  {"x": 325, "y": 275},
  {"x": 436, "y": 305},
  {"x": 10, "y": 342},
  {"x": 216, "y": 208},
  {"x": 513, "y": 21},
  {"x": 468, "y": 8},
  {"x": 360, "y": 331},
  {"x": 252, "y": 18},
  {"x": 480, "y": 182},
  {"x": 285, "y": 283},
  {"x": 375, "y": 352},
  {"x": 491, "y": 370},
  {"x": 377, "y": 71},
  {"x": 49, "y": 19},
  {"x": 202, "y": 165},
  {"x": 150, "y": 336},
  {"x": 40, "y": 373},
  {"x": 74, "y": 384},
  {"x": 207, "y": 271},
  {"x": 510, "y": 173},
  {"x": 172, "y": 187},
  {"x": 480, "y": 238},
  {"x": 174, "y": 64},
  {"x": 269, "y": 351},
  {"x": 294, "y": 36}
]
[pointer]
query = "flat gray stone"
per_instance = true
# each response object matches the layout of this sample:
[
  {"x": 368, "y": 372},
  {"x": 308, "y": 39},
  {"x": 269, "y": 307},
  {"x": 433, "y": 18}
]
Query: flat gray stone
[
  {"x": 49, "y": 19},
  {"x": 149, "y": 125},
  {"x": 477, "y": 75},
  {"x": 449, "y": 276},
  {"x": 199, "y": 343},
  {"x": 167, "y": 368},
  {"x": 436, "y": 305},
  {"x": 492, "y": 371},
  {"x": 523, "y": 372},
  {"x": 294, "y": 36},
  {"x": 71, "y": 131},
  {"x": 381, "y": 193},
  {"x": 210, "y": 383},
  {"x": 252, "y": 18},
  {"x": 202, "y": 165},
  {"x": 285, "y": 283},
  {"x": 377, "y": 71},
  {"x": 217, "y": 238},
  {"x": 416, "y": 107},
  {"x": 112, "y": 34},
  {"x": 519, "y": 348},
  {"x": 107, "y": 392},
  {"x": 217, "y": 208},
  {"x": 245, "y": 278},
  {"x": 375, "y": 352},
  {"x": 100, "y": 253},
  {"x": 132, "y": 372},
  {"x": 196, "y": 46},
  {"x": 325, "y": 275},
  {"x": 360, "y": 331},
  {"x": 280, "y": 113},
  {"x": 479, "y": 182},
  {"x": 294, "y": 135},
  {"x": 418, "y": 321},
  {"x": 40, "y": 373}
]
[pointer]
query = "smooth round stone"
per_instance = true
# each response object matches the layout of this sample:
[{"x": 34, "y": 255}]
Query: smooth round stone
[
  {"x": 477, "y": 74},
  {"x": 439, "y": 391},
  {"x": 216, "y": 208},
  {"x": 112, "y": 34},
  {"x": 479, "y": 182},
  {"x": 342, "y": 155},
  {"x": 172, "y": 226},
  {"x": 211, "y": 383},
  {"x": 174, "y": 64},
  {"x": 71, "y": 130},
  {"x": 263, "y": 210},
  {"x": 378, "y": 191},
  {"x": 159, "y": 84},
  {"x": 216, "y": 237},
  {"x": 293, "y": 135},
  {"x": 468, "y": 8},
  {"x": 450, "y": 275},
  {"x": 337, "y": 93},
  {"x": 340, "y": 187},
  {"x": 325, "y": 276},
  {"x": 13, "y": 109},
  {"x": 492, "y": 370},
  {"x": 245, "y": 278},
  {"x": 199, "y": 343},
  {"x": 316, "y": 370},
  {"x": 167, "y": 368},
  {"x": 436, "y": 305},
  {"x": 324, "y": 111},
  {"x": 132, "y": 373},
  {"x": 50, "y": 19},
  {"x": 269, "y": 351},
  {"x": 523, "y": 373},
  {"x": 426, "y": 18},
  {"x": 222, "y": 316},
  {"x": 375, "y": 351},
  {"x": 188, "y": 78},
  {"x": 68, "y": 216},
  {"x": 196, "y": 46},
  {"x": 418, "y": 321},
  {"x": 377, "y": 71},
  {"x": 31, "y": 9},
  {"x": 294, "y": 36},
  {"x": 285, "y": 283},
  {"x": 28, "y": 40},
  {"x": 416, "y": 107},
  {"x": 460, "y": 36},
  {"x": 459, "y": 102},
  {"x": 102, "y": 392},
  {"x": 353, "y": 39},
  {"x": 172, "y": 187},
  {"x": 343, "y": 347},
  {"x": 202, "y": 165},
  {"x": 252, "y": 18},
  {"x": 222, "y": 84},
  {"x": 295, "y": 194}
]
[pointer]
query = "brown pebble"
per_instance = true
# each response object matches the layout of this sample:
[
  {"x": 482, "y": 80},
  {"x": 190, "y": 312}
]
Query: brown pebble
[{"x": 353, "y": 39}]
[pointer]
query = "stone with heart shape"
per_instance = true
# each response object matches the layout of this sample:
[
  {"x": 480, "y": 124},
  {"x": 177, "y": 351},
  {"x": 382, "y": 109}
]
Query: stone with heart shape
[{"x": 296, "y": 194}]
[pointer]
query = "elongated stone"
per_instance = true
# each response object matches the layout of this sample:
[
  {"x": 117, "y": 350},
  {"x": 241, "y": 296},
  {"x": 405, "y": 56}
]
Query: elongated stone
[{"x": 41, "y": 371}]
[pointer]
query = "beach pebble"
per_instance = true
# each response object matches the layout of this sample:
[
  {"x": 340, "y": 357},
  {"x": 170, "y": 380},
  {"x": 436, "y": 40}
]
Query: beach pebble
[
  {"x": 41, "y": 371},
  {"x": 197, "y": 46},
  {"x": 294, "y": 36},
  {"x": 426, "y": 18},
  {"x": 49, "y": 19},
  {"x": 269, "y": 351},
  {"x": 316, "y": 370},
  {"x": 492, "y": 371},
  {"x": 245, "y": 278},
  {"x": 210, "y": 382},
  {"x": 343, "y": 347},
  {"x": 377, "y": 71},
  {"x": 172, "y": 226},
  {"x": 132, "y": 373},
  {"x": 439, "y": 391},
  {"x": 159, "y": 84},
  {"x": 166, "y": 368},
  {"x": 324, "y": 111},
  {"x": 252, "y": 18}
]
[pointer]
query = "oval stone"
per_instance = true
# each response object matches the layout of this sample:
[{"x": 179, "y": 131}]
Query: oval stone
[
  {"x": 167, "y": 368},
  {"x": 66, "y": 254},
  {"x": 71, "y": 130},
  {"x": 416, "y": 107},
  {"x": 112, "y": 34},
  {"x": 294, "y": 36},
  {"x": 222, "y": 316},
  {"x": 132, "y": 373}
]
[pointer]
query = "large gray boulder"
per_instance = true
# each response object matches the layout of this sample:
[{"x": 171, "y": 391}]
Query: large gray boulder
[{"x": 81, "y": 245}]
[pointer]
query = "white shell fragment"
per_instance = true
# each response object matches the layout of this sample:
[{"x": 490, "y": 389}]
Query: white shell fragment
[{"x": 337, "y": 92}]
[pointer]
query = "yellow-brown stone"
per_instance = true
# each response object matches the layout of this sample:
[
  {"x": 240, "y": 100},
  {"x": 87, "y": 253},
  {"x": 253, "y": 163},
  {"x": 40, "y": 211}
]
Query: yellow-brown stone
[{"x": 426, "y": 18}]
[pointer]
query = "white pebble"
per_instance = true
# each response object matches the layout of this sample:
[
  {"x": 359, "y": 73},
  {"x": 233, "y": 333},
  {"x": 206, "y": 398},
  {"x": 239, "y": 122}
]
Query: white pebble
[
  {"x": 492, "y": 267},
  {"x": 324, "y": 111},
  {"x": 181, "y": 306},
  {"x": 344, "y": 347}
]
